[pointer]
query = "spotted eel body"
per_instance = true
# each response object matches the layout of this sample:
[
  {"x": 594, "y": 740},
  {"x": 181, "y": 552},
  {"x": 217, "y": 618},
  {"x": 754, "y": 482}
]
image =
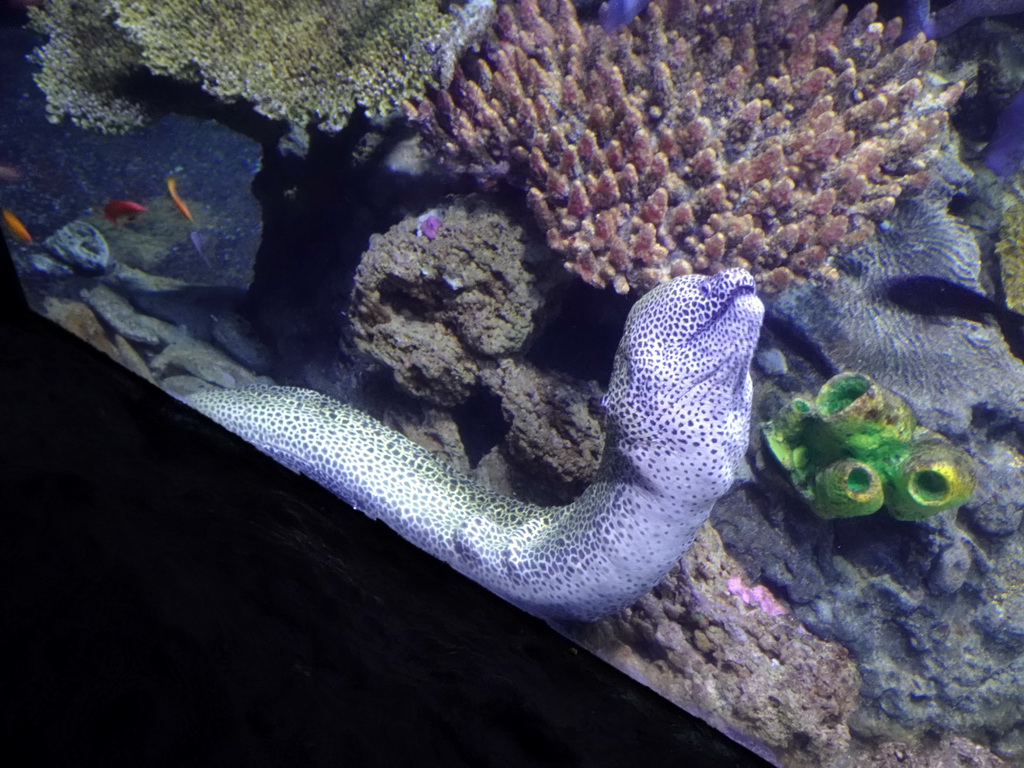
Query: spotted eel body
[{"x": 678, "y": 412}]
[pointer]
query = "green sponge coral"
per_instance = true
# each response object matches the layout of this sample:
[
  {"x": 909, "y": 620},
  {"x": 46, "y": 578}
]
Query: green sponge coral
[
  {"x": 847, "y": 488},
  {"x": 857, "y": 446},
  {"x": 934, "y": 477}
]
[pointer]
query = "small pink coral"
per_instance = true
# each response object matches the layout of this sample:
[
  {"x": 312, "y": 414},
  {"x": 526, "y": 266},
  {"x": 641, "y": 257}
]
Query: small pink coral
[
  {"x": 759, "y": 596},
  {"x": 428, "y": 224}
]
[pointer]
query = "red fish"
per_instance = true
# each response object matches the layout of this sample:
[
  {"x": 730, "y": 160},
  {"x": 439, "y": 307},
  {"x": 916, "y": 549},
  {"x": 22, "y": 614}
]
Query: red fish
[{"x": 116, "y": 210}]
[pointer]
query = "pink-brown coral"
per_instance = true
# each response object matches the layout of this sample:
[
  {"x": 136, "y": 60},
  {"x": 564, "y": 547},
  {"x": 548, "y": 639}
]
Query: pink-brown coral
[
  {"x": 706, "y": 134},
  {"x": 744, "y": 669}
]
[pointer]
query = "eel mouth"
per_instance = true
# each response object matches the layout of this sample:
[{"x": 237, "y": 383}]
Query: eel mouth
[
  {"x": 745, "y": 307},
  {"x": 741, "y": 290}
]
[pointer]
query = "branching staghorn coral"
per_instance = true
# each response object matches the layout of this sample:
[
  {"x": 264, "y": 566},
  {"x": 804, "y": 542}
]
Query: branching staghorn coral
[
  {"x": 704, "y": 135},
  {"x": 295, "y": 60}
]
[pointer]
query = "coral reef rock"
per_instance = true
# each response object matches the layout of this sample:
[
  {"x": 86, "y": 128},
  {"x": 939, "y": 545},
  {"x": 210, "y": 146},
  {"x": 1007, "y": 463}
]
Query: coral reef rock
[
  {"x": 930, "y": 610},
  {"x": 758, "y": 676},
  {"x": 703, "y": 135},
  {"x": 949, "y": 752},
  {"x": 300, "y": 61},
  {"x": 554, "y": 427},
  {"x": 453, "y": 314},
  {"x": 430, "y": 309},
  {"x": 80, "y": 246},
  {"x": 77, "y": 318},
  {"x": 236, "y": 336},
  {"x": 202, "y": 361},
  {"x": 169, "y": 353},
  {"x": 117, "y": 312}
]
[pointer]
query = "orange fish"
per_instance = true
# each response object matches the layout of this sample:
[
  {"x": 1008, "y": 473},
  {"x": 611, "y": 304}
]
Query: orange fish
[
  {"x": 172, "y": 187},
  {"x": 17, "y": 228},
  {"x": 116, "y": 210}
]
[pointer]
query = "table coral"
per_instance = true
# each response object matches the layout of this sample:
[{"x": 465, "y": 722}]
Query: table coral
[
  {"x": 83, "y": 66},
  {"x": 704, "y": 135},
  {"x": 300, "y": 61}
]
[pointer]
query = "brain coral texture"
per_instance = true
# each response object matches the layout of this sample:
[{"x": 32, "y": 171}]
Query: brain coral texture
[{"x": 706, "y": 134}]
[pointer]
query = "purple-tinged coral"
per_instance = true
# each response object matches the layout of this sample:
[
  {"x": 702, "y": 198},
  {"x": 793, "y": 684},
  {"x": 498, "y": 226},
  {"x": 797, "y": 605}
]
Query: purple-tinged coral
[
  {"x": 702, "y": 136},
  {"x": 951, "y": 17},
  {"x": 1004, "y": 154},
  {"x": 616, "y": 14}
]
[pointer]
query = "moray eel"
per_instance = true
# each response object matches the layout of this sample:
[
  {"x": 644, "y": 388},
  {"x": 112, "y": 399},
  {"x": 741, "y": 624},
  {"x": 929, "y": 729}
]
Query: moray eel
[{"x": 678, "y": 414}]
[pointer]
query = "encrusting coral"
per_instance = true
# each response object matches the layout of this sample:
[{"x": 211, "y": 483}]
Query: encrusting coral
[
  {"x": 295, "y": 60},
  {"x": 704, "y": 135}
]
